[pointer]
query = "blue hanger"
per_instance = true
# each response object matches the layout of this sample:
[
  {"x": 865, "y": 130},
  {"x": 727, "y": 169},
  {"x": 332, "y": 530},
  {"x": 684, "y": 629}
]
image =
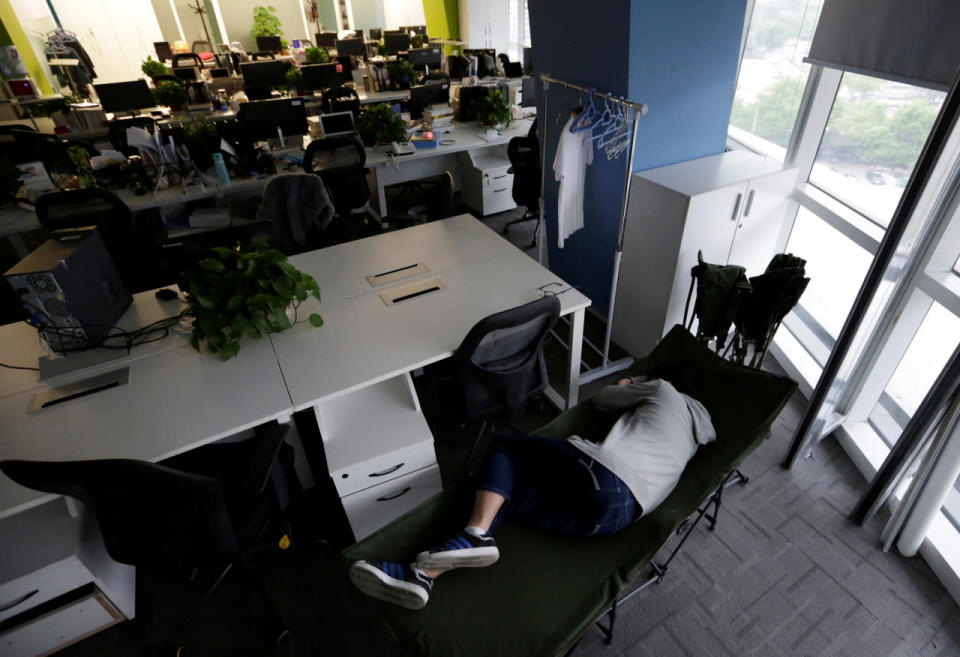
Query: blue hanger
[
  {"x": 601, "y": 127},
  {"x": 614, "y": 127},
  {"x": 585, "y": 120}
]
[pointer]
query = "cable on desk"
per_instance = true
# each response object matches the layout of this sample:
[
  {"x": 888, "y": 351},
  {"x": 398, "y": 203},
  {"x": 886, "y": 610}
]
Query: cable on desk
[
  {"x": 127, "y": 339},
  {"x": 18, "y": 367}
]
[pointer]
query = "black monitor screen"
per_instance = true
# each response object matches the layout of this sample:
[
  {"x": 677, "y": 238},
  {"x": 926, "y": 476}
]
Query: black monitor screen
[
  {"x": 375, "y": 33},
  {"x": 417, "y": 29},
  {"x": 430, "y": 94},
  {"x": 125, "y": 96},
  {"x": 320, "y": 76},
  {"x": 350, "y": 47},
  {"x": 326, "y": 39},
  {"x": 269, "y": 43},
  {"x": 528, "y": 93},
  {"x": 266, "y": 74},
  {"x": 468, "y": 100},
  {"x": 219, "y": 73},
  {"x": 186, "y": 73},
  {"x": 425, "y": 56},
  {"x": 261, "y": 118},
  {"x": 396, "y": 42}
]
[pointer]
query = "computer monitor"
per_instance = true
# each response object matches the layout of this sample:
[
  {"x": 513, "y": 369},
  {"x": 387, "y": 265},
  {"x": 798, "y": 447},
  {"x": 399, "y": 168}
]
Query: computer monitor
[
  {"x": 394, "y": 43},
  {"x": 318, "y": 77},
  {"x": 430, "y": 94},
  {"x": 219, "y": 72},
  {"x": 326, "y": 39},
  {"x": 186, "y": 73},
  {"x": 125, "y": 96},
  {"x": 350, "y": 47},
  {"x": 375, "y": 33},
  {"x": 513, "y": 69},
  {"x": 337, "y": 123},
  {"x": 269, "y": 43},
  {"x": 260, "y": 119},
  {"x": 528, "y": 92},
  {"x": 425, "y": 57},
  {"x": 468, "y": 101},
  {"x": 416, "y": 29},
  {"x": 528, "y": 60},
  {"x": 266, "y": 74}
]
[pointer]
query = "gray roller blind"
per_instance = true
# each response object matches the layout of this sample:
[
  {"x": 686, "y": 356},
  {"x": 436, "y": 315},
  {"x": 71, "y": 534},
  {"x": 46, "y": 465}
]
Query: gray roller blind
[{"x": 913, "y": 41}]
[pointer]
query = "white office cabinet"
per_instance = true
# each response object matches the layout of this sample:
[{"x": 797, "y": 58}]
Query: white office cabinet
[
  {"x": 733, "y": 207},
  {"x": 487, "y": 182},
  {"x": 60, "y": 627},
  {"x": 369, "y": 510},
  {"x": 485, "y": 24}
]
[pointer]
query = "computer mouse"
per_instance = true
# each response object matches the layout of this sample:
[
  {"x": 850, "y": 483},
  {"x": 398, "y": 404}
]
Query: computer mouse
[{"x": 166, "y": 294}]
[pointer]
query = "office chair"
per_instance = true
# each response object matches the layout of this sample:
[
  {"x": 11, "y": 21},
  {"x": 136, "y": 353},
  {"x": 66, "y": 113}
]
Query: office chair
[
  {"x": 9, "y": 128},
  {"x": 201, "y": 48},
  {"x": 187, "y": 59},
  {"x": 524, "y": 156},
  {"x": 434, "y": 193},
  {"x": 341, "y": 99},
  {"x": 340, "y": 162},
  {"x": 459, "y": 66},
  {"x": 131, "y": 247},
  {"x": 435, "y": 77},
  {"x": 261, "y": 54},
  {"x": 165, "y": 77},
  {"x": 215, "y": 504},
  {"x": 163, "y": 50},
  {"x": 499, "y": 367},
  {"x": 117, "y": 132}
]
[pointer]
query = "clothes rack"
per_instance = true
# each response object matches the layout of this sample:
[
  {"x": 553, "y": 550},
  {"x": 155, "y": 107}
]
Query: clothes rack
[{"x": 637, "y": 110}]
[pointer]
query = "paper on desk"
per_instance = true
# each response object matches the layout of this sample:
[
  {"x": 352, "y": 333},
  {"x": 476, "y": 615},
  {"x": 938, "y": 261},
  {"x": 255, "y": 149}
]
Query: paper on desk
[
  {"x": 227, "y": 148},
  {"x": 140, "y": 138}
]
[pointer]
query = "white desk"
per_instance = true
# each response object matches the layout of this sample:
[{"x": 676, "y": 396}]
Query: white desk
[
  {"x": 390, "y": 170},
  {"x": 372, "y": 97}
]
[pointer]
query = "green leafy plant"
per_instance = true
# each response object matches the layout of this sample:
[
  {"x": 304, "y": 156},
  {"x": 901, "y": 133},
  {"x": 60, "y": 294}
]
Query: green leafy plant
[
  {"x": 244, "y": 291},
  {"x": 416, "y": 41},
  {"x": 380, "y": 124},
  {"x": 494, "y": 108},
  {"x": 402, "y": 74},
  {"x": 294, "y": 77},
  {"x": 266, "y": 23},
  {"x": 202, "y": 140},
  {"x": 171, "y": 94},
  {"x": 317, "y": 56},
  {"x": 152, "y": 67}
]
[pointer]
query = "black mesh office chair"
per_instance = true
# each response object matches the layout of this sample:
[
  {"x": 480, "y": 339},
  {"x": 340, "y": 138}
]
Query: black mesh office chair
[
  {"x": 132, "y": 248},
  {"x": 524, "y": 156},
  {"x": 499, "y": 367},
  {"x": 213, "y": 505},
  {"x": 187, "y": 59},
  {"x": 341, "y": 99},
  {"x": 261, "y": 55},
  {"x": 459, "y": 66},
  {"x": 340, "y": 162},
  {"x": 435, "y": 77}
]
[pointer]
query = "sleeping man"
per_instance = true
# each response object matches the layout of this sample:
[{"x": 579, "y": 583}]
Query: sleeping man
[{"x": 572, "y": 486}]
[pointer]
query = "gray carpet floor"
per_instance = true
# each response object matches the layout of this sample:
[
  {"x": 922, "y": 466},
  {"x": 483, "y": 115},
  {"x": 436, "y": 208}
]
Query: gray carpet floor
[{"x": 784, "y": 574}]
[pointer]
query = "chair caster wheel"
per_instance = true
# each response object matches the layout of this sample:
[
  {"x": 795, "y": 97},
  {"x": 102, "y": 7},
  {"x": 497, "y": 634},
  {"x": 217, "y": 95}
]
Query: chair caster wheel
[
  {"x": 177, "y": 651},
  {"x": 278, "y": 636}
]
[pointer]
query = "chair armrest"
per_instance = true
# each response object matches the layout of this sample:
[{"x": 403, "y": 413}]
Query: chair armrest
[{"x": 270, "y": 440}]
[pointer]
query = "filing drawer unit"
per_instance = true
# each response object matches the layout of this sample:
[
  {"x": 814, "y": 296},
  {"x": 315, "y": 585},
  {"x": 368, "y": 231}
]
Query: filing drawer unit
[
  {"x": 57, "y": 583},
  {"x": 379, "y": 452},
  {"x": 487, "y": 181}
]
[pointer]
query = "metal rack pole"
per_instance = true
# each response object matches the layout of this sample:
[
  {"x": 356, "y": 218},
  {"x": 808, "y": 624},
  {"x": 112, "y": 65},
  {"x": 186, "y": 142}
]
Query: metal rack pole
[{"x": 606, "y": 367}]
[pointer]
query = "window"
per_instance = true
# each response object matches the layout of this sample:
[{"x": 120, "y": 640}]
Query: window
[
  {"x": 872, "y": 141},
  {"x": 772, "y": 74},
  {"x": 923, "y": 360},
  {"x": 519, "y": 29}
]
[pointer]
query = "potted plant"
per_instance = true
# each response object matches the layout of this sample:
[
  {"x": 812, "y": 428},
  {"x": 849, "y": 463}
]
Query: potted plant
[
  {"x": 265, "y": 23},
  {"x": 317, "y": 55},
  {"x": 494, "y": 109},
  {"x": 416, "y": 41},
  {"x": 402, "y": 74},
  {"x": 294, "y": 79},
  {"x": 171, "y": 94},
  {"x": 381, "y": 125},
  {"x": 202, "y": 140},
  {"x": 244, "y": 291},
  {"x": 152, "y": 67}
]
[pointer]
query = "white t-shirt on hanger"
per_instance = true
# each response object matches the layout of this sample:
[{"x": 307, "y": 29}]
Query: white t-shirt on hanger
[{"x": 574, "y": 153}]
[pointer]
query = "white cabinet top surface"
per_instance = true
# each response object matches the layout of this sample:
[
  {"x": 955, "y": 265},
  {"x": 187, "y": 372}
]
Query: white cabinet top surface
[{"x": 699, "y": 176}]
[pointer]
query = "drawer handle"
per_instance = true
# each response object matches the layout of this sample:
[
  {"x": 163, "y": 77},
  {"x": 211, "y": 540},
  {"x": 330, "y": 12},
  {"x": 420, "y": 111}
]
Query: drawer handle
[
  {"x": 497, "y": 191},
  {"x": 387, "y": 498},
  {"x": 500, "y": 177},
  {"x": 386, "y": 472},
  {"x": 24, "y": 598}
]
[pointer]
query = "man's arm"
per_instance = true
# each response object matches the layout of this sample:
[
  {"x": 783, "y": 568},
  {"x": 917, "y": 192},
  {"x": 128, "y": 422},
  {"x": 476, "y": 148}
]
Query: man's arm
[{"x": 625, "y": 395}]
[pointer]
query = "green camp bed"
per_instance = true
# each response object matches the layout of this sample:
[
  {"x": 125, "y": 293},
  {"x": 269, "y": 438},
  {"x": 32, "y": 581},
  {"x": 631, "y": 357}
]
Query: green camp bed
[{"x": 547, "y": 589}]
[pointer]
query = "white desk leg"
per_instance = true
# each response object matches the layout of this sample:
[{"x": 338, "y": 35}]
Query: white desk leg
[
  {"x": 381, "y": 192},
  {"x": 573, "y": 365}
]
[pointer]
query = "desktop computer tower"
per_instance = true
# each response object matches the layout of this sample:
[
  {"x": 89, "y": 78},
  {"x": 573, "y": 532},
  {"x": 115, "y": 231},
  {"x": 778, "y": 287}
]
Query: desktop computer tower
[{"x": 70, "y": 285}]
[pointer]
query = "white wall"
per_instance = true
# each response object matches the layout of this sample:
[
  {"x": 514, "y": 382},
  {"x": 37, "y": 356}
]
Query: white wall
[
  {"x": 238, "y": 19},
  {"x": 403, "y": 12},
  {"x": 118, "y": 35},
  {"x": 368, "y": 14},
  {"x": 191, "y": 24},
  {"x": 163, "y": 9}
]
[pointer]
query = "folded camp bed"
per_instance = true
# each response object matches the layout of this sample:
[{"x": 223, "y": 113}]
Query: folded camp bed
[{"x": 548, "y": 589}]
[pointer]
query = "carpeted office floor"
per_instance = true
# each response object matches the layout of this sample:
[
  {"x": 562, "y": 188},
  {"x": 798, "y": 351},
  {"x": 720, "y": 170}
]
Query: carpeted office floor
[{"x": 784, "y": 574}]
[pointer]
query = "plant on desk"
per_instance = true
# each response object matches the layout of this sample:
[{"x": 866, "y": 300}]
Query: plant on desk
[
  {"x": 317, "y": 56},
  {"x": 202, "y": 140},
  {"x": 294, "y": 80},
  {"x": 494, "y": 109},
  {"x": 416, "y": 41},
  {"x": 266, "y": 23},
  {"x": 152, "y": 67},
  {"x": 172, "y": 94},
  {"x": 381, "y": 125},
  {"x": 244, "y": 292},
  {"x": 402, "y": 74}
]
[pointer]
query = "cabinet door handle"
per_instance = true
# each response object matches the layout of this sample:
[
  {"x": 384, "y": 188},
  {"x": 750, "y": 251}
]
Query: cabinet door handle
[
  {"x": 497, "y": 191},
  {"x": 500, "y": 177},
  {"x": 746, "y": 210},
  {"x": 387, "y": 471},
  {"x": 387, "y": 498},
  {"x": 20, "y": 600},
  {"x": 736, "y": 207}
]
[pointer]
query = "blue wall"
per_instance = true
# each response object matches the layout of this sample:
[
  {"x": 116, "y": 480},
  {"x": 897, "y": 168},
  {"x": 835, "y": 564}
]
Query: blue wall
[{"x": 679, "y": 57}]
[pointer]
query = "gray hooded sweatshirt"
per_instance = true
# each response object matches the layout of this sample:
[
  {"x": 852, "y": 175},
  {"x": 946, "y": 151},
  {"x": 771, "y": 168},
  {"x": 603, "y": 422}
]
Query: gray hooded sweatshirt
[{"x": 650, "y": 444}]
